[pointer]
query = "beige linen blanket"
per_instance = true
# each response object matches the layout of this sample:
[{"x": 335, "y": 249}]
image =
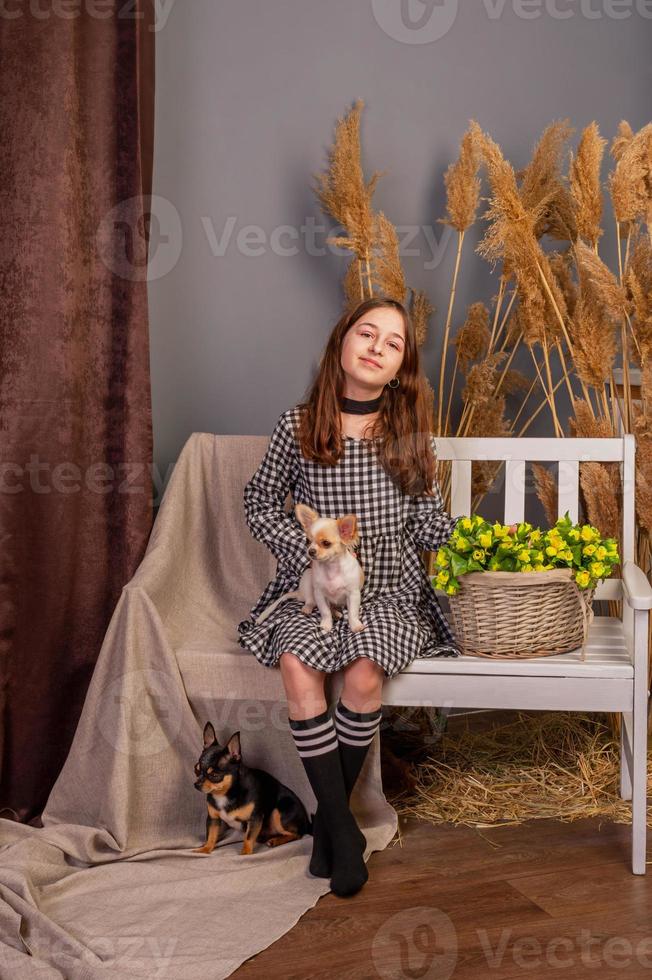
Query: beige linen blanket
[{"x": 109, "y": 887}]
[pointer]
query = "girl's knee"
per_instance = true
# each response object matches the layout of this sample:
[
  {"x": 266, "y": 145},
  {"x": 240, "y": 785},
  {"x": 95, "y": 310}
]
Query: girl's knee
[{"x": 364, "y": 677}]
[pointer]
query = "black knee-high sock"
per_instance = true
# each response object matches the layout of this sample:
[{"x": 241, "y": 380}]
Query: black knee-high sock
[
  {"x": 355, "y": 732},
  {"x": 316, "y": 742}
]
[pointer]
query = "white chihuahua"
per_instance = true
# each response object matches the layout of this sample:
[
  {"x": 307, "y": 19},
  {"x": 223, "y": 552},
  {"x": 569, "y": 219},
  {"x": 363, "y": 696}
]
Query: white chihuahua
[{"x": 335, "y": 576}]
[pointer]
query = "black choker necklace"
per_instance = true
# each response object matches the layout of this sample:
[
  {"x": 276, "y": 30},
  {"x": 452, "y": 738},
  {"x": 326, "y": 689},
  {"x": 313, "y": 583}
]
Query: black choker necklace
[{"x": 353, "y": 406}]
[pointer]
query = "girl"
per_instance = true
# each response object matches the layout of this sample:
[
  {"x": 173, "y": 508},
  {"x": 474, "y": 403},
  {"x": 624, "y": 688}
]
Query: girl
[{"x": 359, "y": 444}]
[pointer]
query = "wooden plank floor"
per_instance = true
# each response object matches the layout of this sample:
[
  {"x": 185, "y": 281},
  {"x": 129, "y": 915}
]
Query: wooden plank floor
[{"x": 540, "y": 898}]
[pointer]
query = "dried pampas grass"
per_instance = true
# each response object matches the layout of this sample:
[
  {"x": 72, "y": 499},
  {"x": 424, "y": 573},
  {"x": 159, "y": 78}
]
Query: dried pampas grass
[
  {"x": 630, "y": 183},
  {"x": 601, "y": 486},
  {"x": 387, "y": 272},
  {"x": 481, "y": 381},
  {"x": 561, "y": 268},
  {"x": 510, "y": 235},
  {"x": 344, "y": 193},
  {"x": 472, "y": 339},
  {"x": 514, "y": 222},
  {"x": 463, "y": 184},
  {"x": 638, "y": 283},
  {"x": 594, "y": 343},
  {"x": 486, "y": 419},
  {"x": 514, "y": 381},
  {"x": 643, "y": 432},
  {"x": 421, "y": 310},
  {"x": 462, "y": 196},
  {"x": 597, "y": 278},
  {"x": 542, "y": 181},
  {"x": 585, "y": 186},
  {"x": 586, "y": 426},
  {"x": 600, "y": 483},
  {"x": 546, "y": 488},
  {"x": 353, "y": 284},
  {"x": 621, "y": 140}
]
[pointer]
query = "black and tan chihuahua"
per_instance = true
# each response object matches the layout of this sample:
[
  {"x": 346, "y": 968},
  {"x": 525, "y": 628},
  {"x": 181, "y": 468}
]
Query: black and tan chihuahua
[{"x": 250, "y": 800}]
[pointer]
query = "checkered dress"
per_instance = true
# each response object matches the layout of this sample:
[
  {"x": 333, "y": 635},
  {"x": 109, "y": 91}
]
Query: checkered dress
[{"x": 399, "y": 608}]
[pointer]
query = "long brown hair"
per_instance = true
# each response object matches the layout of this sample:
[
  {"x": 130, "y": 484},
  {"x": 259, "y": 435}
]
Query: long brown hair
[{"x": 403, "y": 428}]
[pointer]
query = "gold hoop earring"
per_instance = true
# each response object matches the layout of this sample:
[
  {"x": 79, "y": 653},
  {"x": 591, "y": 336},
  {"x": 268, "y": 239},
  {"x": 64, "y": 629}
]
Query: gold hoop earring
[{"x": 394, "y": 385}]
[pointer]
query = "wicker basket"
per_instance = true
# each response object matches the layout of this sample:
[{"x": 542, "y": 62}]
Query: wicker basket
[{"x": 516, "y": 615}]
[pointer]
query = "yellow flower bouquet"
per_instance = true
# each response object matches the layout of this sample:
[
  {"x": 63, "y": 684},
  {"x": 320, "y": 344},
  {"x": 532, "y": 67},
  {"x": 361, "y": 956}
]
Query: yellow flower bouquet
[
  {"x": 478, "y": 546},
  {"x": 519, "y": 591}
]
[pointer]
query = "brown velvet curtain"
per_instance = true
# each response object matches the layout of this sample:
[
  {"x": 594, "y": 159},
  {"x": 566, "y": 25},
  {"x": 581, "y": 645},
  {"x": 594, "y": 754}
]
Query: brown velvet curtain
[{"x": 76, "y": 125}]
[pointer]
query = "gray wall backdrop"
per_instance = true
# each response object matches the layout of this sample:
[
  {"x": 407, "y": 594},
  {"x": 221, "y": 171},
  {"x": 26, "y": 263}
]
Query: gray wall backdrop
[{"x": 243, "y": 289}]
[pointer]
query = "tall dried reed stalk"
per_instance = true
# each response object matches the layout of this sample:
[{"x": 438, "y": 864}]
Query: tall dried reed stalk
[
  {"x": 344, "y": 193},
  {"x": 375, "y": 267},
  {"x": 462, "y": 197}
]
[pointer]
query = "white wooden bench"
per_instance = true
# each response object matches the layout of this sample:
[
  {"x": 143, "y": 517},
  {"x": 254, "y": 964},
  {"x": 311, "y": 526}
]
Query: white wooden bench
[{"x": 614, "y": 675}]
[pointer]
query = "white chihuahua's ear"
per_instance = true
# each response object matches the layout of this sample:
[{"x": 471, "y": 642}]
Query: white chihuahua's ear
[
  {"x": 306, "y": 516},
  {"x": 348, "y": 528}
]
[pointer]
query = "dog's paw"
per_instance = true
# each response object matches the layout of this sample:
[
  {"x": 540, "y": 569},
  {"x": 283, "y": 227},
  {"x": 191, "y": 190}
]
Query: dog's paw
[
  {"x": 357, "y": 627},
  {"x": 202, "y": 850},
  {"x": 307, "y": 609},
  {"x": 326, "y": 625},
  {"x": 337, "y": 614}
]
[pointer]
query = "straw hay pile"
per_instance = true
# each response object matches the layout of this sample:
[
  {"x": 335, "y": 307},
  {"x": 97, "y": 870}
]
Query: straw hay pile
[{"x": 522, "y": 767}]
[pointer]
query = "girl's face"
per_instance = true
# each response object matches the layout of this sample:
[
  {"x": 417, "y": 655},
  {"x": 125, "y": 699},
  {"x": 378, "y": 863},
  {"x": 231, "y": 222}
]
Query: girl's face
[{"x": 378, "y": 336}]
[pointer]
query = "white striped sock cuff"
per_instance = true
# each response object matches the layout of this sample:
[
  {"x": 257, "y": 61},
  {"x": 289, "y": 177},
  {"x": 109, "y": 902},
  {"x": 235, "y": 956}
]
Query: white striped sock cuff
[
  {"x": 312, "y": 736},
  {"x": 355, "y": 728}
]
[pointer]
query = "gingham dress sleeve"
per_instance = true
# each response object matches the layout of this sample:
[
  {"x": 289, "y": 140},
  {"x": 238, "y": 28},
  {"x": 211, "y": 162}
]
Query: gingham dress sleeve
[
  {"x": 264, "y": 499},
  {"x": 427, "y": 521}
]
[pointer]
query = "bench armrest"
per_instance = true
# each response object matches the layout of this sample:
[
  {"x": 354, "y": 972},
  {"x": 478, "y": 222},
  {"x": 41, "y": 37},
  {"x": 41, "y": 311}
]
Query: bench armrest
[{"x": 636, "y": 588}]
